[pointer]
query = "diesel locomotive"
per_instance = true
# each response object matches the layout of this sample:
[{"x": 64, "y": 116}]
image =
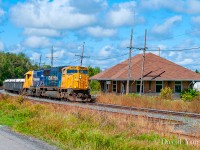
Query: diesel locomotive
[{"x": 65, "y": 82}]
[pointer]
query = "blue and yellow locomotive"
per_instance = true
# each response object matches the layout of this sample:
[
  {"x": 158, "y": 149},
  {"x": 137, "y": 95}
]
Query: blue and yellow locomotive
[{"x": 66, "y": 82}]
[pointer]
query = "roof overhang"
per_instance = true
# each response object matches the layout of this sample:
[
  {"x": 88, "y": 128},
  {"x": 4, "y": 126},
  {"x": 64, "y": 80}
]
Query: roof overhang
[{"x": 109, "y": 79}]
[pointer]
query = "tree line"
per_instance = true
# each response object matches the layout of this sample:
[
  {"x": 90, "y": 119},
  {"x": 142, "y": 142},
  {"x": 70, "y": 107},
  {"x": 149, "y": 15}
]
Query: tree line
[{"x": 14, "y": 66}]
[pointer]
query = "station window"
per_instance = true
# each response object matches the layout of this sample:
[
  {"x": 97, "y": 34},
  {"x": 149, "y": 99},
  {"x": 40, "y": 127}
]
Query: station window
[
  {"x": 114, "y": 86},
  {"x": 159, "y": 86},
  {"x": 178, "y": 86},
  {"x": 138, "y": 86}
]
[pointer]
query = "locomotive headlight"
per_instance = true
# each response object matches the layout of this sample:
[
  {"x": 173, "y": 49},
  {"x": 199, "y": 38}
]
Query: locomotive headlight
[{"x": 80, "y": 76}]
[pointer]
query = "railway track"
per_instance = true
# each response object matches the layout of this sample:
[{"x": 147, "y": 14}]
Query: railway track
[
  {"x": 169, "y": 112},
  {"x": 184, "y": 121},
  {"x": 128, "y": 108}
]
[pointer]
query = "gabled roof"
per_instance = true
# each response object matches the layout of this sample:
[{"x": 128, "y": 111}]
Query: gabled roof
[{"x": 155, "y": 68}]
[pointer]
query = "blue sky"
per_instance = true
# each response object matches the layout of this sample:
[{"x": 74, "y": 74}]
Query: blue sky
[{"x": 34, "y": 26}]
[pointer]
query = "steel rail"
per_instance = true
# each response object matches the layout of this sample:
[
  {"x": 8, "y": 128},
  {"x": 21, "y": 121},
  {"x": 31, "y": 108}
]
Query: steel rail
[
  {"x": 170, "y": 112},
  {"x": 129, "y": 108}
]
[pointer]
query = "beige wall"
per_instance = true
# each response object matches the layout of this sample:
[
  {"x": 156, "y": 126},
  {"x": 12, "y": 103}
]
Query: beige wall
[{"x": 147, "y": 89}]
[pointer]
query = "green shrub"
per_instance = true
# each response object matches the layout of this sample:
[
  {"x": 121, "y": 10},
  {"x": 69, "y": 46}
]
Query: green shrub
[
  {"x": 189, "y": 94},
  {"x": 95, "y": 85},
  {"x": 166, "y": 93}
]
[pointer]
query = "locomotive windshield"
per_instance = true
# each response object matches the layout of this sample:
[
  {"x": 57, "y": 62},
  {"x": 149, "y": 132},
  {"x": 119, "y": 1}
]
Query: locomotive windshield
[
  {"x": 70, "y": 71},
  {"x": 84, "y": 71}
]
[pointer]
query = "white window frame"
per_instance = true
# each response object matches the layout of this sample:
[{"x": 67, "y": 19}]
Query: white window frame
[
  {"x": 159, "y": 84},
  {"x": 178, "y": 84}
]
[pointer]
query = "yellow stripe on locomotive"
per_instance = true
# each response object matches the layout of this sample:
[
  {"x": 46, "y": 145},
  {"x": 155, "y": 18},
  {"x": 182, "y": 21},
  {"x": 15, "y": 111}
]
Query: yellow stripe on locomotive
[
  {"x": 28, "y": 80},
  {"x": 75, "y": 78}
]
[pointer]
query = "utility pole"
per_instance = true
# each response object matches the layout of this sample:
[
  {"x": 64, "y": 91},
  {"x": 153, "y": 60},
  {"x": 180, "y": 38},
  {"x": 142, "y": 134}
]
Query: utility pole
[
  {"x": 40, "y": 61},
  {"x": 129, "y": 63},
  {"x": 52, "y": 57},
  {"x": 159, "y": 51},
  {"x": 82, "y": 55},
  {"x": 143, "y": 60}
]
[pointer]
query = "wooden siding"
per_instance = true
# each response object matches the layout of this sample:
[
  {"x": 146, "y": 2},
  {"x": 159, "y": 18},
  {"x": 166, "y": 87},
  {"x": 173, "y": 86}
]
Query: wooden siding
[{"x": 147, "y": 87}]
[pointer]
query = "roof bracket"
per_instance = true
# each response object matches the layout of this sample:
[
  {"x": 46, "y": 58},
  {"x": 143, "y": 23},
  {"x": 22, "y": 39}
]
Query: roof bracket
[{"x": 158, "y": 75}]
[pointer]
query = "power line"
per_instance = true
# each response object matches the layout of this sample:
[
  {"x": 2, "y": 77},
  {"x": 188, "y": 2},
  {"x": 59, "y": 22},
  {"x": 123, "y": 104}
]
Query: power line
[
  {"x": 116, "y": 56},
  {"x": 73, "y": 61},
  {"x": 184, "y": 49},
  {"x": 172, "y": 37}
]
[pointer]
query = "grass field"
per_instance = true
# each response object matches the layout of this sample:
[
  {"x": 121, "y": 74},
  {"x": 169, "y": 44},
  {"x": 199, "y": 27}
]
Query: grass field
[
  {"x": 151, "y": 102},
  {"x": 77, "y": 128}
]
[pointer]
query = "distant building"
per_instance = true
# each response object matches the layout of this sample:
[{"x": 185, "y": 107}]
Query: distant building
[{"x": 158, "y": 73}]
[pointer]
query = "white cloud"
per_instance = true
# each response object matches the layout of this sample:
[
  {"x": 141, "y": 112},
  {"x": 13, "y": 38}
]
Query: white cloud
[
  {"x": 193, "y": 6},
  {"x": 17, "y": 49},
  {"x": 57, "y": 53},
  {"x": 171, "y": 54},
  {"x": 101, "y": 32},
  {"x": 55, "y": 14},
  {"x": 185, "y": 61},
  {"x": 36, "y": 42},
  {"x": 35, "y": 56},
  {"x": 124, "y": 44},
  {"x": 41, "y": 32},
  {"x": 1, "y": 46},
  {"x": 106, "y": 51},
  {"x": 89, "y": 6},
  {"x": 162, "y": 46},
  {"x": 196, "y": 20},
  {"x": 183, "y": 6},
  {"x": 121, "y": 14},
  {"x": 166, "y": 26},
  {"x": 2, "y": 12},
  {"x": 156, "y": 4}
]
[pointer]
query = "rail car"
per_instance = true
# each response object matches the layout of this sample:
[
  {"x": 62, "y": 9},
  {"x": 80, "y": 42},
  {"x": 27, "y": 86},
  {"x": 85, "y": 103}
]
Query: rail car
[{"x": 65, "y": 82}]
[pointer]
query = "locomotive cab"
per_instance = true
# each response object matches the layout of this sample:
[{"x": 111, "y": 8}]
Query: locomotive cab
[
  {"x": 74, "y": 83},
  {"x": 75, "y": 78}
]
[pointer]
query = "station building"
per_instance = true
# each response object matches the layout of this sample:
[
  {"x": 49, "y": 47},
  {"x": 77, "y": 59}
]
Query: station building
[{"x": 158, "y": 73}]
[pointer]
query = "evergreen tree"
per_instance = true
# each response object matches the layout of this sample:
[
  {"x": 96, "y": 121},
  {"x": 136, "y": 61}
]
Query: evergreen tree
[{"x": 13, "y": 66}]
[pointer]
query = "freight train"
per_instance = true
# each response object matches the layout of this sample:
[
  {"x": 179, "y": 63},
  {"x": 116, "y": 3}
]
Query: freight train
[{"x": 65, "y": 82}]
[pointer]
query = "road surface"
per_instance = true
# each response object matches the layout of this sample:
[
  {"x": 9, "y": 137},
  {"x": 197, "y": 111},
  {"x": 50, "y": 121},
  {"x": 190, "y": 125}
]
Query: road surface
[{"x": 10, "y": 140}]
